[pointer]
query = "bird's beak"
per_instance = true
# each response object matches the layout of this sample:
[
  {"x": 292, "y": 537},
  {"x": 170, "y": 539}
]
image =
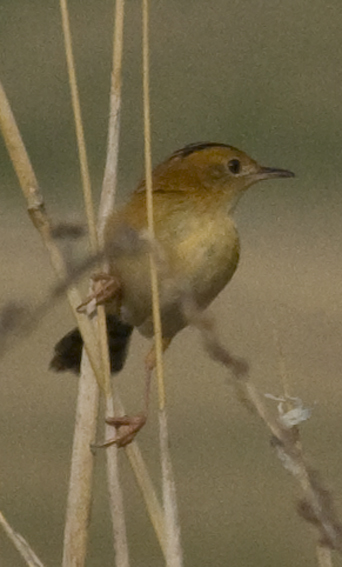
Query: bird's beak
[{"x": 272, "y": 173}]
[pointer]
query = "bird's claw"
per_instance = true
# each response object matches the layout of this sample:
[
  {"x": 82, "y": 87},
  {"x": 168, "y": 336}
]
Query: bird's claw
[
  {"x": 127, "y": 427},
  {"x": 105, "y": 289}
]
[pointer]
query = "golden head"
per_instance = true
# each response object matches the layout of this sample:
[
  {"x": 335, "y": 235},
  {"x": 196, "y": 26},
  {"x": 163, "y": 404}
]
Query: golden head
[{"x": 212, "y": 167}]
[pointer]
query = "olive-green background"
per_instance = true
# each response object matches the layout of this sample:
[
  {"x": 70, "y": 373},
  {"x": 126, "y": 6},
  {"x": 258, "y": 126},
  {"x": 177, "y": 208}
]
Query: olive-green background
[{"x": 265, "y": 76}]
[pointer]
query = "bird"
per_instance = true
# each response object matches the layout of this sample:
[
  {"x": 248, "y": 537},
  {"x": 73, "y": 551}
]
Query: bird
[{"x": 195, "y": 193}]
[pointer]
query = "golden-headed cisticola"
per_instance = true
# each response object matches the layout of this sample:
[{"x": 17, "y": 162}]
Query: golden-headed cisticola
[{"x": 195, "y": 192}]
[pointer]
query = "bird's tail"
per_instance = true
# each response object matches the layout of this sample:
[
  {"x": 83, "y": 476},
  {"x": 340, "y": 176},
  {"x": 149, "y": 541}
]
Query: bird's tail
[{"x": 68, "y": 350}]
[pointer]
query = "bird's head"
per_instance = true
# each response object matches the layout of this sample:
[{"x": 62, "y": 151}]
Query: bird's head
[{"x": 212, "y": 169}]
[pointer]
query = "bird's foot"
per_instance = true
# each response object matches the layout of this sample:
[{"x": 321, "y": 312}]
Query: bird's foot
[
  {"x": 127, "y": 427},
  {"x": 105, "y": 288}
]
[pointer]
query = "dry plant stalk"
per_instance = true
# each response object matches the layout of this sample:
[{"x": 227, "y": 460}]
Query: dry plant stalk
[
  {"x": 174, "y": 553},
  {"x": 20, "y": 544},
  {"x": 316, "y": 506},
  {"x": 79, "y": 501}
]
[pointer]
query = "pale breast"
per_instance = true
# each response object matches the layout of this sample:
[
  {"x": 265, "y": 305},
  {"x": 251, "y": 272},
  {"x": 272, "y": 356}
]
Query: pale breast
[
  {"x": 199, "y": 255},
  {"x": 208, "y": 256}
]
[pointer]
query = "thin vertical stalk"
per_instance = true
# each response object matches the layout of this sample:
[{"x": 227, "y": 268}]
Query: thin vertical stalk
[
  {"x": 106, "y": 207},
  {"x": 75, "y": 99},
  {"x": 110, "y": 175},
  {"x": 81, "y": 471},
  {"x": 79, "y": 501},
  {"x": 150, "y": 219},
  {"x": 172, "y": 528}
]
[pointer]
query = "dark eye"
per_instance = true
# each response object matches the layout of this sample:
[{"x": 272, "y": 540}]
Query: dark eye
[{"x": 234, "y": 166}]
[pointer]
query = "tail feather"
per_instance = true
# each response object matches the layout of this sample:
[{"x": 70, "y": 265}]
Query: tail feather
[{"x": 68, "y": 350}]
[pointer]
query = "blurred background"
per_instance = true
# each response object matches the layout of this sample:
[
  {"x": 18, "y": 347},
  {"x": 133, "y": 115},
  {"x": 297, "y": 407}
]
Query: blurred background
[{"x": 266, "y": 77}]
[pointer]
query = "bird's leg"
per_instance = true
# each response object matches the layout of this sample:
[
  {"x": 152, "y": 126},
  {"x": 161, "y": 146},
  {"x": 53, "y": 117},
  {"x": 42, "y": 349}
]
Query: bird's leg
[
  {"x": 105, "y": 288},
  {"x": 128, "y": 426}
]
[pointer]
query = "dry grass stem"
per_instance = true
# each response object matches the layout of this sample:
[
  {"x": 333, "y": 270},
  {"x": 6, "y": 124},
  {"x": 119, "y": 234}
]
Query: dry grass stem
[
  {"x": 106, "y": 207},
  {"x": 320, "y": 504},
  {"x": 316, "y": 506},
  {"x": 79, "y": 499},
  {"x": 174, "y": 552},
  {"x": 146, "y": 486},
  {"x": 149, "y": 203},
  {"x": 81, "y": 471},
  {"x": 87, "y": 193},
  {"x": 110, "y": 175},
  {"x": 20, "y": 544},
  {"x": 116, "y": 498},
  {"x": 172, "y": 527},
  {"x": 40, "y": 219}
]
